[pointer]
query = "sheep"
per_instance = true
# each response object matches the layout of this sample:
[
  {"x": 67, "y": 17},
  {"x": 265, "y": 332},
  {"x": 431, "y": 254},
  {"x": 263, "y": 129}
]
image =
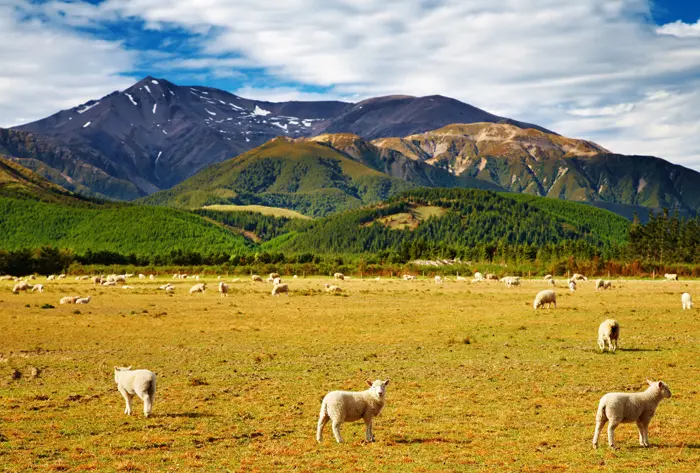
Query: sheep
[
  {"x": 196, "y": 278},
  {"x": 139, "y": 382},
  {"x": 223, "y": 289},
  {"x": 256, "y": 278},
  {"x": 83, "y": 300},
  {"x": 21, "y": 286},
  {"x": 608, "y": 332},
  {"x": 61, "y": 276},
  {"x": 51, "y": 277},
  {"x": 165, "y": 286},
  {"x": 279, "y": 289},
  {"x": 511, "y": 281},
  {"x": 551, "y": 282},
  {"x": 69, "y": 300},
  {"x": 169, "y": 289},
  {"x": 602, "y": 284},
  {"x": 579, "y": 277},
  {"x": 128, "y": 275},
  {"x": 38, "y": 287},
  {"x": 31, "y": 277},
  {"x": 330, "y": 288},
  {"x": 77, "y": 278},
  {"x": 96, "y": 280},
  {"x": 84, "y": 278},
  {"x": 687, "y": 301},
  {"x": 198, "y": 288},
  {"x": 142, "y": 276},
  {"x": 348, "y": 406},
  {"x": 236, "y": 280},
  {"x": 7, "y": 277},
  {"x": 439, "y": 280},
  {"x": 545, "y": 297},
  {"x": 607, "y": 284},
  {"x": 460, "y": 278},
  {"x": 127, "y": 287},
  {"x": 547, "y": 277},
  {"x": 151, "y": 277},
  {"x": 409, "y": 277},
  {"x": 271, "y": 278},
  {"x": 277, "y": 281},
  {"x": 109, "y": 283},
  {"x": 572, "y": 286},
  {"x": 629, "y": 407},
  {"x": 671, "y": 277},
  {"x": 491, "y": 277},
  {"x": 339, "y": 276},
  {"x": 295, "y": 276},
  {"x": 478, "y": 276}
]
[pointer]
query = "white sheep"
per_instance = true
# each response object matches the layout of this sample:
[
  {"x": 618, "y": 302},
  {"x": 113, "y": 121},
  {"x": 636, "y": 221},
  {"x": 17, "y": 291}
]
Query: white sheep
[
  {"x": 460, "y": 278},
  {"x": 61, "y": 276},
  {"x": 83, "y": 300},
  {"x": 51, "y": 277},
  {"x": 277, "y": 281},
  {"x": 409, "y": 277},
  {"x": 511, "y": 281},
  {"x": 142, "y": 276},
  {"x": 491, "y": 277},
  {"x": 608, "y": 332},
  {"x": 165, "y": 286},
  {"x": 96, "y": 280},
  {"x": 620, "y": 408},
  {"x": 169, "y": 289},
  {"x": 256, "y": 278},
  {"x": 687, "y": 301},
  {"x": 271, "y": 278},
  {"x": 151, "y": 277},
  {"x": 127, "y": 287},
  {"x": 330, "y": 288},
  {"x": 223, "y": 289},
  {"x": 339, "y": 276},
  {"x": 279, "y": 289},
  {"x": 478, "y": 276},
  {"x": 139, "y": 382},
  {"x": 109, "y": 283},
  {"x": 602, "y": 284},
  {"x": 579, "y": 277},
  {"x": 545, "y": 297},
  {"x": 572, "y": 286},
  {"x": 38, "y": 287},
  {"x": 439, "y": 280},
  {"x": 551, "y": 282},
  {"x": 547, "y": 277},
  {"x": 198, "y": 288},
  {"x": 69, "y": 300},
  {"x": 21, "y": 286},
  {"x": 671, "y": 277},
  {"x": 348, "y": 406},
  {"x": 31, "y": 277}
]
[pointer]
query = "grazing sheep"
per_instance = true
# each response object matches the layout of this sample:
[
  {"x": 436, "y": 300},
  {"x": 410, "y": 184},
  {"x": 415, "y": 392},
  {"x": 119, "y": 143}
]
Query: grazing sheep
[
  {"x": 38, "y": 287},
  {"x": 165, "y": 286},
  {"x": 21, "y": 286},
  {"x": 607, "y": 284},
  {"x": 6, "y": 277},
  {"x": 330, "y": 288},
  {"x": 439, "y": 280},
  {"x": 409, "y": 277},
  {"x": 109, "y": 283},
  {"x": 223, "y": 289},
  {"x": 572, "y": 286},
  {"x": 491, "y": 277},
  {"x": 151, "y": 277},
  {"x": 77, "y": 278},
  {"x": 545, "y": 297},
  {"x": 61, "y": 276},
  {"x": 170, "y": 289},
  {"x": 279, "y": 289},
  {"x": 687, "y": 301},
  {"x": 478, "y": 276},
  {"x": 69, "y": 300},
  {"x": 198, "y": 288},
  {"x": 608, "y": 332},
  {"x": 236, "y": 280},
  {"x": 83, "y": 300},
  {"x": 629, "y": 407},
  {"x": 142, "y": 276},
  {"x": 511, "y": 281},
  {"x": 139, "y": 382},
  {"x": 31, "y": 277},
  {"x": 51, "y": 277},
  {"x": 271, "y": 278},
  {"x": 256, "y": 278},
  {"x": 339, "y": 276},
  {"x": 671, "y": 277},
  {"x": 96, "y": 280},
  {"x": 602, "y": 284},
  {"x": 579, "y": 277},
  {"x": 551, "y": 282},
  {"x": 547, "y": 277},
  {"x": 348, "y": 406}
]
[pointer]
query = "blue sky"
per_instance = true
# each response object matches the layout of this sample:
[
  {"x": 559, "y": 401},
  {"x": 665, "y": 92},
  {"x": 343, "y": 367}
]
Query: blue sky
[{"x": 623, "y": 73}]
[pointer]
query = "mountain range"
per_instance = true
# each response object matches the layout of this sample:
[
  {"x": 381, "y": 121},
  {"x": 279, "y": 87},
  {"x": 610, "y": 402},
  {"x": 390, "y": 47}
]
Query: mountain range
[{"x": 189, "y": 146}]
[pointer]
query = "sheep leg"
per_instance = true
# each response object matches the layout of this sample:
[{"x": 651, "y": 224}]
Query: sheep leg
[
  {"x": 613, "y": 344},
  {"x": 601, "y": 344},
  {"x": 640, "y": 427},
  {"x": 147, "y": 404},
  {"x": 322, "y": 421},
  {"x": 369, "y": 435},
  {"x": 599, "y": 423},
  {"x": 336, "y": 432},
  {"x": 611, "y": 433},
  {"x": 646, "y": 434},
  {"x": 127, "y": 397}
]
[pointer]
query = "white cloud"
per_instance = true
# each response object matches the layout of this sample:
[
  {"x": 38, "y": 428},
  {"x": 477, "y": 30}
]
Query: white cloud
[
  {"x": 45, "y": 69},
  {"x": 681, "y": 29},
  {"x": 284, "y": 94}
]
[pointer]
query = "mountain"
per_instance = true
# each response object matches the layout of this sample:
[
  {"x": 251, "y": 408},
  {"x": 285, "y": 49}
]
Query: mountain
[
  {"x": 535, "y": 162},
  {"x": 36, "y": 213}
]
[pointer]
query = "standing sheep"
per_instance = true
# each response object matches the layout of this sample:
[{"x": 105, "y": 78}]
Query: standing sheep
[
  {"x": 139, "y": 382},
  {"x": 572, "y": 286},
  {"x": 256, "y": 278},
  {"x": 339, "y": 276},
  {"x": 439, "y": 280},
  {"x": 347, "y": 406},
  {"x": 38, "y": 287},
  {"x": 279, "y": 289},
  {"x": 271, "y": 278},
  {"x": 491, "y": 277},
  {"x": 551, "y": 282},
  {"x": 687, "y": 301},
  {"x": 671, "y": 277},
  {"x": 478, "y": 276},
  {"x": 21, "y": 286},
  {"x": 223, "y": 289},
  {"x": 198, "y": 288},
  {"x": 629, "y": 407},
  {"x": 545, "y": 297},
  {"x": 547, "y": 277},
  {"x": 409, "y": 277},
  {"x": 608, "y": 332}
]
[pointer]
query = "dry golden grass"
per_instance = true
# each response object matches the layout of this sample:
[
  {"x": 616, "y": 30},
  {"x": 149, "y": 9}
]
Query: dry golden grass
[
  {"x": 480, "y": 381},
  {"x": 272, "y": 211}
]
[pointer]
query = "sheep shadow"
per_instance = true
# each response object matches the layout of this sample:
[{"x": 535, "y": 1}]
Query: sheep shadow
[
  {"x": 639, "y": 349},
  {"x": 188, "y": 415},
  {"x": 426, "y": 440}
]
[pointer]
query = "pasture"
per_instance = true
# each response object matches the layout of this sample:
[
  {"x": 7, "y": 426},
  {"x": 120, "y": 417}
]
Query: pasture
[{"x": 480, "y": 380}]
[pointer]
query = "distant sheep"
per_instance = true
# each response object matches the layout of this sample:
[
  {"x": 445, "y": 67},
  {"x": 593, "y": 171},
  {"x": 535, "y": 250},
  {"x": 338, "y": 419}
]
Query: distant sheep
[
  {"x": 460, "y": 278},
  {"x": 545, "y": 297},
  {"x": 439, "y": 280},
  {"x": 165, "y": 286},
  {"x": 96, "y": 280},
  {"x": 151, "y": 277},
  {"x": 602, "y": 284},
  {"x": 347, "y": 406},
  {"x": 21, "y": 286},
  {"x": 548, "y": 277},
  {"x": 620, "y": 408},
  {"x": 223, "y": 289},
  {"x": 38, "y": 288},
  {"x": 671, "y": 277},
  {"x": 272, "y": 277},
  {"x": 83, "y": 300},
  {"x": 139, "y": 382},
  {"x": 330, "y": 288},
  {"x": 256, "y": 278},
  {"x": 142, "y": 276},
  {"x": 69, "y": 300},
  {"x": 61, "y": 276},
  {"x": 109, "y": 283},
  {"x": 198, "y": 288},
  {"x": 608, "y": 333},
  {"x": 409, "y": 277},
  {"x": 339, "y": 276},
  {"x": 511, "y": 281},
  {"x": 31, "y": 277},
  {"x": 551, "y": 282},
  {"x": 277, "y": 281},
  {"x": 491, "y": 277},
  {"x": 687, "y": 301},
  {"x": 51, "y": 277},
  {"x": 579, "y": 277},
  {"x": 478, "y": 276},
  {"x": 279, "y": 289},
  {"x": 127, "y": 287},
  {"x": 572, "y": 286}
]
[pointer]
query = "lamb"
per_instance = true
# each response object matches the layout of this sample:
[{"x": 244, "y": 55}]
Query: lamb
[
  {"x": 629, "y": 407},
  {"x": 339, "y": 276},
  {"x": 572, "y": 286},
  {"x": 223, "y": 289},
  {"x": 38, "y": 287},
  {"x": 83, "y": 300},
  {"x": 69, "y": 300},
  {"x": 256, "y": 278},
  {"x": 545, "y": 297},
  {"x": 347, "y": 406},
  {"x": 330, "y": 288},
  {"x": 21, "y": 286},
  {"x": 439, "y": 280},
  {"x": 198, "y": 288},
  {"x": 608, "y": 332},
  {"x": 139, "y": 382},
  {"x": 687, "y": 301},
  {"x": 279, "y": 289},
  {"x": 671, "y": 277}
]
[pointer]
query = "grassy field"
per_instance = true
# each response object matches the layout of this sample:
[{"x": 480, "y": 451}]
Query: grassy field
[
  {"x": 480, "y": 381},
  {"x": 272, "y": 211}
]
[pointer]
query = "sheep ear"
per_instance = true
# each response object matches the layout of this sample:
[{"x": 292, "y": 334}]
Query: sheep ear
[
  {"x": 116, "y": 368},
  {"x": 650, "y": 382},
  {"x": 369, "y": 383},
  {"x": 386, "y": 383}
]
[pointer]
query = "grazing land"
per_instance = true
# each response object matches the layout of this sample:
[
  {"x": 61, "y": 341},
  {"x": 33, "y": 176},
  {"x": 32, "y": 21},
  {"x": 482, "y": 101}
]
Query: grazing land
[
  {"x": 480, "y": 381},
  {"x": 262, "y": 209}
]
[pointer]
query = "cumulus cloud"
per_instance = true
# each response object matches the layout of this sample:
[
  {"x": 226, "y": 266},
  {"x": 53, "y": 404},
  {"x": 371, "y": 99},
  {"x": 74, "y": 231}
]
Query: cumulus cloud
[
  {"x": 680, "y": 29},
  {"x": 45, "y": 69}
]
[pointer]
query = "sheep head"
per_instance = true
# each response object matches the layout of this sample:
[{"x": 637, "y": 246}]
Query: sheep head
[
  {"x": 662, "y": 387},
  {"x": 378, "y": 387}
]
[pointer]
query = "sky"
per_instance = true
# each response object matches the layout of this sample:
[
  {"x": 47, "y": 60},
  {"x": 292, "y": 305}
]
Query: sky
[{"x": 622, "y": 73}]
